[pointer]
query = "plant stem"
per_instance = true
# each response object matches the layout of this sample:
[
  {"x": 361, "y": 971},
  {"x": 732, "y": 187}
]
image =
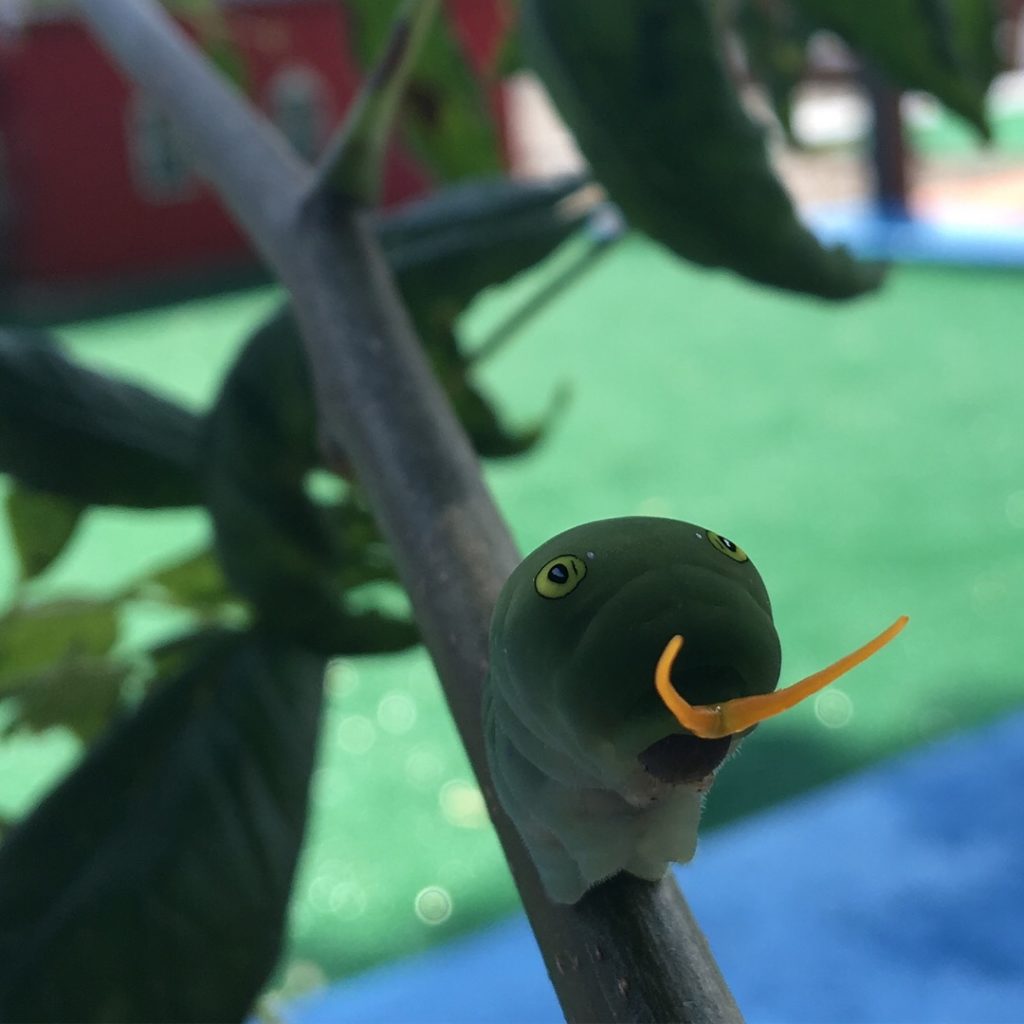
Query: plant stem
[{"x": 630, "y": 951}]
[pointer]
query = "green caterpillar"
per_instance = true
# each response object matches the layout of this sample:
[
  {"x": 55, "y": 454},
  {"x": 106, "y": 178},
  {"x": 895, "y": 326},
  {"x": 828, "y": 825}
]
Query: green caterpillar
[{"x": 629, "y": 657}]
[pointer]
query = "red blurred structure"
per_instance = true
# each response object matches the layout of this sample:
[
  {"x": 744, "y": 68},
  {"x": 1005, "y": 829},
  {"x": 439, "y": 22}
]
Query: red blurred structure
[{"x": 97, "y": 188}]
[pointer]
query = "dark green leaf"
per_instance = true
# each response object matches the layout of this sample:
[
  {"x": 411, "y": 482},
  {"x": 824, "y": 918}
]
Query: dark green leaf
[
  {"x": 489, "y": 436},
  {"x": 643, "y": 86},
  {"x": 775, "y": 41},
  {"x": 907, "y": 40},
  {"x": 447, "y": 248},
  {"x": 152, "y": 884},
  {"x": 271, "y": 539},
  {"x": 171, "y": 657},
  {"x": 41, "y": 525},
  {"x": 79, "y": 693},
  {"x": 360, "y": 552},
  {"x": 446, "y": 114},
  {"x": 34, "y": 638},
  {"x": 90, "y": 438},
  {"x": 974, "y": 25}
]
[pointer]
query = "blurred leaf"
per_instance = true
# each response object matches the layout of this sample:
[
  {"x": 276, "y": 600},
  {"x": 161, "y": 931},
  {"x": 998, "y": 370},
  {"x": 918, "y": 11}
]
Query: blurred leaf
[
  {"x": 911, "y": 46},
  {"x": 643, "y": 86},
  {"x": 34, "y": 638},
  {"x": 445, "y": 114},
  {"x": 295, "y": 560},
  {"x": 974, "y": 25},
  {"x": 152, "y": 884},
  {"x": 444, "y": 250},
  {"x": 90, "y": 438},
  {"x": 41, "y": 525},
  {"x": 354, "y": 169},
  {"x": 361, "y": 554},
  {"x": 271, "y": 539},
  {"x": 775, "y": 42},
  {"x": 196, "y": 582},
  {"x": 79, "y": 693},
  {"x": 213, "y": 34},
  {"x": 490, "y": 437},
  {"x": 510, "y": 60},
  {"x": 173, "y": 656}
]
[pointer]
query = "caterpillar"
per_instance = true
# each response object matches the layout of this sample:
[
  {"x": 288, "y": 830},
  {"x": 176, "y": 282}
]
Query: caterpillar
[{"x": 628, "y": 659}]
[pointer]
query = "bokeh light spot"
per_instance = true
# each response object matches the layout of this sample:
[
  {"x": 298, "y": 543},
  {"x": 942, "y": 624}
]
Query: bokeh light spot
[
  {"x": 342, "y": 678},
  {"x": 355, "y": 734},
  {"x": 396, "y": 713},
  {"x": 833, "y": 708},
  {"x": 433, "y": 905},
  {"x": 423, "y": 766},
  {"x": 347, "y": 901},
  {"x": 462, "y": 804}
]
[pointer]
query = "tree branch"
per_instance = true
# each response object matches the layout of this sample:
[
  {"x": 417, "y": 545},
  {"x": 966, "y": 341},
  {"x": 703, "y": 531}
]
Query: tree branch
[{"x": 630, "y": 951}]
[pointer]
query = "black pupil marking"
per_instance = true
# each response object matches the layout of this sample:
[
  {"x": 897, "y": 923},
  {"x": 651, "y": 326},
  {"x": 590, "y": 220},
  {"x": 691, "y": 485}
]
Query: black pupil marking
[
  {"x": 728, "y": 543},
  {"x": 558, "y": 573}
]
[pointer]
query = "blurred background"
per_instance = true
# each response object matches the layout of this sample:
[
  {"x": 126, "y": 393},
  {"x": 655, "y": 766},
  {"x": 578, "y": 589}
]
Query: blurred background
[{"x": 861, "y": 857}]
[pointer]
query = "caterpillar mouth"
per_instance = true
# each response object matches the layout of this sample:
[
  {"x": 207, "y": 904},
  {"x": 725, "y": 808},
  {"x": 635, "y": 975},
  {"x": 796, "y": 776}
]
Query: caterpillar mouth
[
  {"x": 683, "y": 758},
  {"x": 715, "y": 721}
]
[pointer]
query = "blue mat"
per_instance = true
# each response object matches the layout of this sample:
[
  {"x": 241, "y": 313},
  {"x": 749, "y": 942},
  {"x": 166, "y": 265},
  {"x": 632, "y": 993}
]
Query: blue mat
[
  {"x": 895, "y": 895},
  {"x": 871, "y": 235}
]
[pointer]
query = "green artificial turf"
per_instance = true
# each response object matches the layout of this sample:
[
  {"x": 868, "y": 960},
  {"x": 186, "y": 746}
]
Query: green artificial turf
[
  {"x": 948, "y": 135},
  {"x": 869, "y": 457}
]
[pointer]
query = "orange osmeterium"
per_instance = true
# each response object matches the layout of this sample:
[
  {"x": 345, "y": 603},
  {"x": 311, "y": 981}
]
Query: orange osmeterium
[{"x": 713, "y": 721}]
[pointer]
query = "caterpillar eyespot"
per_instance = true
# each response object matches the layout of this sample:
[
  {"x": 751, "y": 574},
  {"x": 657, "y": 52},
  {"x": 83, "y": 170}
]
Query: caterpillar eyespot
[
  {"x": 560, "y": 577},
  {"x": 727, "y": 547},
  {"x": 607, "y": 717}
]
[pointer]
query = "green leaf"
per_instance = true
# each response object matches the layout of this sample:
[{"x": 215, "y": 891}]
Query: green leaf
[
  {"x": 173, "y": 656},
  {"x": 87, "y": 437},
  {"x": 271, "y": 539},
  {"x": 974, "y": 27},
  {"x": 79, "y": 693},
  {"x": 644, "y": 88},
  {"x": 361, "y": 554},
  {"x": 197, "y": 582},
  {"x": 34, "y": 638},
  {"x": 445, "y": 115},
  {"x": 213, "y": 32},
  {"x": 41, "y": 526},
  {"x": 354, "y": 169},
  {"x": 909, "y": 42},
  {"x": 490, "y": 437},
  {"x": 152, "y": 884},
  {"x": 775, "y": 42},
  {"x": 510, "y": 60},
  {"x": 446, "y": 249}
]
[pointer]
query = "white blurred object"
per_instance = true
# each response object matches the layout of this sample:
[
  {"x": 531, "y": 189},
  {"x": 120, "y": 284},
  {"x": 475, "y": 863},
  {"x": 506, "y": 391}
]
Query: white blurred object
[{"x": 831, "y": 117}]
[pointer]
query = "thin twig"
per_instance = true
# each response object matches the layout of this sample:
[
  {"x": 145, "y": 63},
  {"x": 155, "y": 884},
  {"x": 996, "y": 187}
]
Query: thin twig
[
  {"x": 540, "y": 300},
  {"x": 630, "y": 951}
]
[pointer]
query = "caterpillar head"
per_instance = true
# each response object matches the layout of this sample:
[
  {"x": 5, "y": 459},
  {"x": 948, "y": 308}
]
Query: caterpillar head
[{"x": 648, "y": 641}]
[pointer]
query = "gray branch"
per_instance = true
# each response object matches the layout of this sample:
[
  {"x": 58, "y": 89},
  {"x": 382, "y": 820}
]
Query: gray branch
[{"x": 630, "y": 951}]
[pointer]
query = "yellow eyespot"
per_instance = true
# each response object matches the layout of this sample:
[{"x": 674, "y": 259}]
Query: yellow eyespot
[
  {"x": 727, "y": 547},
  {"x": 560, "y": 576}
]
